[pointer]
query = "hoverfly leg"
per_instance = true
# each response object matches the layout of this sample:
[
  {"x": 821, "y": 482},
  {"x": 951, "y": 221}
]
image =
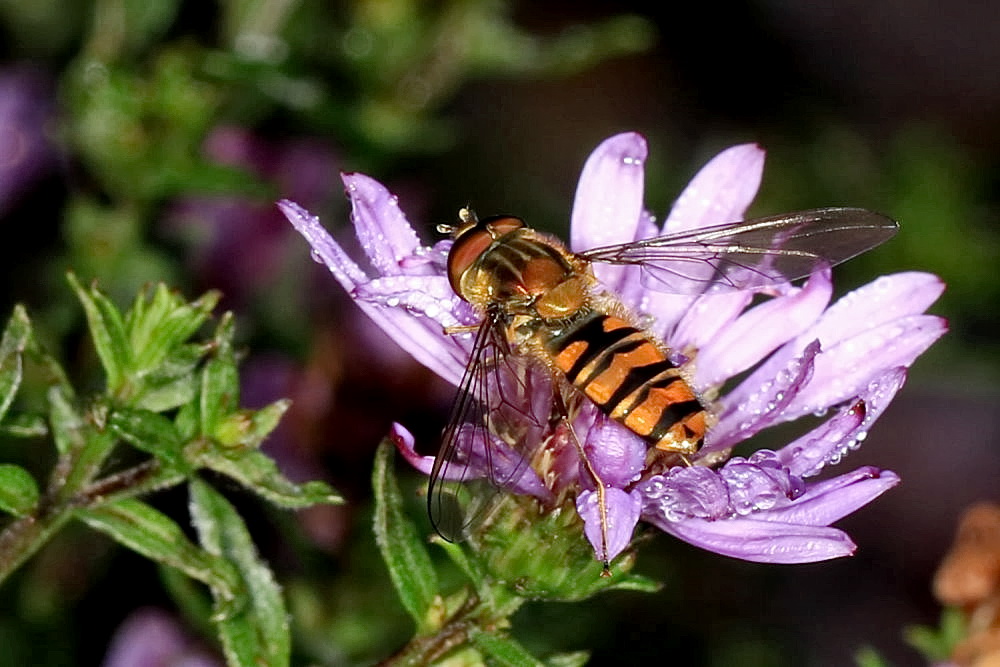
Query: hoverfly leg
[
  {"x": 562, "y": 415},
  {"x": 459, "y": 329}
]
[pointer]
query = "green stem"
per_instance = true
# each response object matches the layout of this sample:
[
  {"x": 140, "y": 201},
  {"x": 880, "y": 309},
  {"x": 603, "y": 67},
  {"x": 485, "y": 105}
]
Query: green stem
[
  {"x": 22, "y": 538},
  {"x": 25, "y": 536},
  {"x": 456, "y": 632}
]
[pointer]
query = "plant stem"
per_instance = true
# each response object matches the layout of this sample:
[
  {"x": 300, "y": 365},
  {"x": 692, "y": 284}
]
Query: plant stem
[{"x": 22, "y": 538}]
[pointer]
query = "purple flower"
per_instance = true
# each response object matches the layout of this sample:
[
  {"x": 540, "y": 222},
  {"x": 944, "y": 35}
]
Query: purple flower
[
  {"x": 802, "y": 355},
  {"x": 27, "y": 107},
  {"x": 153, "y": 638},
  {"x": 238, "y": 242}
]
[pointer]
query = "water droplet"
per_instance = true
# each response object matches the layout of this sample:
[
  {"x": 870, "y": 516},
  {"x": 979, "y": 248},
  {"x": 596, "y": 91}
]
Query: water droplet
[
  {"x": 392, "y": 302},
  {"x": 316, "y": 256}
]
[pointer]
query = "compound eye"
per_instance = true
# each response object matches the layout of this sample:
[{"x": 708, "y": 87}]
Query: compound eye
[{"x": 502, "y": 224}]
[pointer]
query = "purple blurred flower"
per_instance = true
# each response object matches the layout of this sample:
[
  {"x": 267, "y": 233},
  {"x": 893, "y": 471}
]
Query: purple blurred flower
[
  {"x": 152, "y": 638},
  {"x": 806, "y": 356},
  {"x": 26, "y": 153},
  {"x": 239, "y": 242}
]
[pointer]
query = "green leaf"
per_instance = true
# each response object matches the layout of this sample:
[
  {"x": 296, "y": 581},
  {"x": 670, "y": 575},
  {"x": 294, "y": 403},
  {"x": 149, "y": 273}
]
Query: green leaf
[
  {"x": 25, "y": 426},
  {"x": 502, "y": 650},
  {"x": 149, "y": 432},
  {"x": 15, "y": 339},
  {"x": 248, "y": 428},
  {"x": 259, "y": 473},
  {"x": 167, "y": 395},
  {"x": 937, "y": 644},
  {"x": 161, "y": 325},
  {"x": 18, "y": 490},
  {"x": 66, "y": 423},
  {"x": 571, "y": 659},
  {"x": 144, "y": 22},
  {"x": 107, "y": 331},
  {"x": 220, "y": 389},
  {"x": 156, "y": 536},
  {"x": 258, "y": 634},
  {"x": 404, "y": 553},
  {"x": 866, "y": 656}
]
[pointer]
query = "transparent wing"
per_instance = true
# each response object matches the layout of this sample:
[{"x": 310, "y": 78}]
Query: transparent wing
[
  {"x": 753, "y": 253},
  {"x": 498, "y": 419}
]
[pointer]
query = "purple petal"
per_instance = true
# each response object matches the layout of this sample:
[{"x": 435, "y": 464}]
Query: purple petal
[
  {"x": 382, "y": 229},
  {"x": 881, "y": 301},
  {"x": 829, "y": 442},
  {"x": 842, "y": 370},
  {"x": 608, "y": 201},
  {"x": 324, "y": 248},
  {"x": 617, "y": 455},
  {"x": 26, "y": 149},
  {"x": 832, "y": 500},
  {"x": 760, "y": 483},
  {"x": 762, "y": 541},
  {"x": 423, "y": 296},
  {"x": 755, "y": 405},
  {"x": 152, "y": 638},
  {"x": 872, "y": 323},
  {"x": 623, "y": 514},
  {"x": 707, "y": 316},
  {"x": 761, "y": 330},
  {"x": 423, "y": 338},
  {"x": 501, "y": 463},
  {"x": 684, "y": 493},
  {"x": 721, "y": 192},
  {"x": 631, "y": 291},
  {"x": 405, "y": 444}
]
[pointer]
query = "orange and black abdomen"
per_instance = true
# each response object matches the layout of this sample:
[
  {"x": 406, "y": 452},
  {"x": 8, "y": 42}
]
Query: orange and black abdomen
[{"x": 631, "y": 380}]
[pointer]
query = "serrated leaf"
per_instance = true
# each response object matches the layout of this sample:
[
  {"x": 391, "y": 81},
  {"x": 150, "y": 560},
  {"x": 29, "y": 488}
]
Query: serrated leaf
[
  {"x": 156, "y": 536},
  {"x": 107, "y": 329},
  {"x": 165, "y": 324},
  {"x": 15, "y": 338},
  {"x": 169, "y": 395},
  {"x": 258, "y": 634},
  {"x": 65, "y": 420},
  {"x": 259, "y": 474},
  {"x": 149, "y": 432},
  {"x": 220, "y": 389},
  {"x": 503, "y": 650},
  {"x": 188, "y": 420},
  {"x": 404, "y": 553},
  {"x": 634, "y": 582},
  {"x": 18, "y": 490},
  {"x": 193, "y": 601},
  {"x": 249, "y": 428}
]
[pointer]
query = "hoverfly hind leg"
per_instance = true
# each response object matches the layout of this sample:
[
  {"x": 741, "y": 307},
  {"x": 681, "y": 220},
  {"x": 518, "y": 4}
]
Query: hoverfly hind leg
[
  {"x": 459, "y": 329},
  {"x": 562, "y": 415}
]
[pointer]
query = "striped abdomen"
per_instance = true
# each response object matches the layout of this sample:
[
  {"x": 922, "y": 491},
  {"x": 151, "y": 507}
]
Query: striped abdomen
[{"x": 631, "y": 380}]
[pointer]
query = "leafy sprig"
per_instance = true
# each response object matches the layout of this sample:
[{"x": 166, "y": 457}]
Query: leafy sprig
[{"x": 174, "y": 399}]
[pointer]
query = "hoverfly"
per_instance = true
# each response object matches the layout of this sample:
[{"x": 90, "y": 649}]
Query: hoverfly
[{"x": 551, "y": 338}]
